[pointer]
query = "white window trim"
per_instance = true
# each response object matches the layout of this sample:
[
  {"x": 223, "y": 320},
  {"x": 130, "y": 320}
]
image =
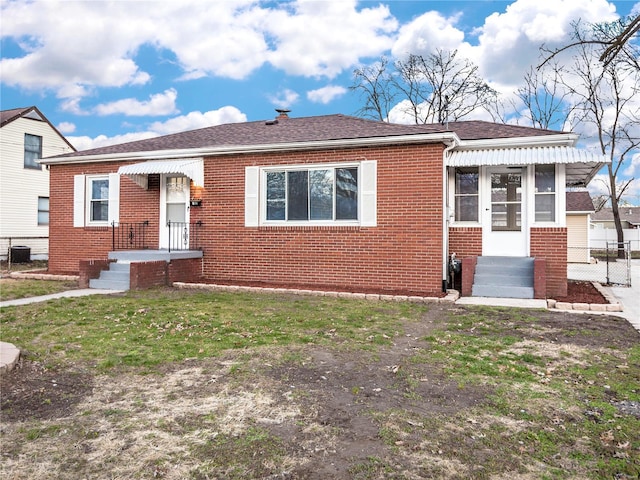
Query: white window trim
[
  {"x": 81, "y": 200},
  {"x": 452, "y": 200},
  {"x": 560, "y": 201},
  {"x": 256, "y": 188}
]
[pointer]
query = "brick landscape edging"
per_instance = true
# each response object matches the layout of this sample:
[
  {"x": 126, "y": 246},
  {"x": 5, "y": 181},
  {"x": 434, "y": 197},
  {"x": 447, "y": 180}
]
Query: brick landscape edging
[
  {"x": 451, "y": 297},
  {"x": 612, "y": 306}
]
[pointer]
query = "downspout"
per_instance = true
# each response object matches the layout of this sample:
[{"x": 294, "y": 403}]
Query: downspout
[{"x": 445, "y": 214}]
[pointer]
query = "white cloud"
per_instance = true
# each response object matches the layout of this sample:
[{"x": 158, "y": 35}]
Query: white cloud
[
  {"x": 509, "y": 42},
  {"x": 323, "y": 38},
  {"x": 75, "y": 47},
  {"x": 326, "y": 94},
  {"x": 284, "y": 99},
  {"x": 158, "y": 104},
  {"x": 194, "y": 120},
  {"x": 190, "y": 121},
  {"x": 428, "y": 33},
  {"x": 66, "y": 127}
]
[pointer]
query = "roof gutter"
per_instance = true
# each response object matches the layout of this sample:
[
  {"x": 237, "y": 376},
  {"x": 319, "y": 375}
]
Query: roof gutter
[
  {"x": 564, "y": 139},
  {"x": 444, "y": 137}
]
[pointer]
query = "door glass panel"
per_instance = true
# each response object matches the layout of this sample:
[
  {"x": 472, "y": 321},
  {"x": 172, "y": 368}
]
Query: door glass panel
[
  {"x": 177, "y": 189},
  {"x": 176, "y": 212},
  {"x": 506, "y": 201}
]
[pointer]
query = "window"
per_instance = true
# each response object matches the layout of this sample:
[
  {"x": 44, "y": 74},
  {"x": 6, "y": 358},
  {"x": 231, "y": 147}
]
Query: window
[
  {"x": 43, "y": 210},
  {"x": 96, "y": 199},
  {"x": 466, "y": 194},
  {"x": 545, "y": 193},
  {"x": 319, "y": 194},
  {"x": 323, "y": 194},
  {"x": 32, "y": 151}
]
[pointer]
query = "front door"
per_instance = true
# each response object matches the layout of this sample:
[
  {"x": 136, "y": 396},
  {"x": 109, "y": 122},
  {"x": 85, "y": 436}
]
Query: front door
[
  {"x": 174, "y": 212},
  {"x": 504, "y": 231}
]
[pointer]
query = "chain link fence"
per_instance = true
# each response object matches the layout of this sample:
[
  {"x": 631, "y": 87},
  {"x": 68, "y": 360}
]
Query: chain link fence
[{"x": 609, "y": 266}]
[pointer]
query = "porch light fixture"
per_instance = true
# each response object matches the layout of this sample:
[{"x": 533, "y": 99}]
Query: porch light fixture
[{"x": 196, "y": 195}]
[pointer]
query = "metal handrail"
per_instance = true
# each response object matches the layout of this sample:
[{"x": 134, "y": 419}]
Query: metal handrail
[
  {"x": 129, "y": 236},
  {"x": 184, "y": 235}
]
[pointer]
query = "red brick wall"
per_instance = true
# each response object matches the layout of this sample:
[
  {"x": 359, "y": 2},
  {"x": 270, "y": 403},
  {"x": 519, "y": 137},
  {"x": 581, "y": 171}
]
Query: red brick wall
[
  {"x": 465, "y": 241},
  {"x": 468, "y": 275},
  {"x": 551, "y": 244},
  {"x": 539, "y": 278},
  {"x": 147, "y": 274},
  {"x": 89, "y": 269},
  {"x": 68, "y": 244},
  {"x": 401, "y": 254},
  {"x": 185, "y": 270}
]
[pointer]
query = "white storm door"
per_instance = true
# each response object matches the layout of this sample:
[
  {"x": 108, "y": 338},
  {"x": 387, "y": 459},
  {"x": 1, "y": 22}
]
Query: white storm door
[
  {"x": 174, "y": 212},
  {"x": 504, "y": 226}
]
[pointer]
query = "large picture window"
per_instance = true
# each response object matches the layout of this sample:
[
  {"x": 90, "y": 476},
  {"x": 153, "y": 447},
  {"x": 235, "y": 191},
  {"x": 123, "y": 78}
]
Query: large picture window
[
  {"x": 466, "y": 194},
  {"x": 545, "y": 193},
  {"x": 322, "y": 194},
  {"x": 32, "y": 151}
]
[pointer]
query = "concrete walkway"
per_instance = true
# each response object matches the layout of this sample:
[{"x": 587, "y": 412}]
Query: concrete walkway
[
  {"x": 629, "y": 297},
  {"x": 68, "y": 294}
]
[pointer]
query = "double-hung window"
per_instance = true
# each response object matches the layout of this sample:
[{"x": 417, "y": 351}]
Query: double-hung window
[
  {"x": 315, "y": 194},
  {"x": 545, "y": 193},
  {"x": 98, "y": 191},
  {"x": 32, "y": 151},
  {"x": 43, "y": 210},
  {"x": 466, "y": 194},
  {"x": 96, "y": 199},
  {"x": 319, "y": 194}
]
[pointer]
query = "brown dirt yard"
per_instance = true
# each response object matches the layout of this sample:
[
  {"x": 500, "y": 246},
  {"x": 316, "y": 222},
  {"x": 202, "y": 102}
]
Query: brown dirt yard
[{"x": 408, "y": 410}]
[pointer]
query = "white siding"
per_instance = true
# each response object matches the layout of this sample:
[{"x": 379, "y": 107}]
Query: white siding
[
  {"x": 578, "y": 238},
  {"x": 20, "y": 187}
]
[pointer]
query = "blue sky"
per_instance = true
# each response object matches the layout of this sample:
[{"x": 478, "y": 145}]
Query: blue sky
[{"x": 108, "y": 72}]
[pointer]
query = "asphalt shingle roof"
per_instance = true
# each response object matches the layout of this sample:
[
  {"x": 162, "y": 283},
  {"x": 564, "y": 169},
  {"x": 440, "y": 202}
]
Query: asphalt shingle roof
[
  {"x": 579, "y": 201},
  {"x": 7, "y": 116},
  {"x": 627, "y": 214},
  {"x": 308, "y": 129}
]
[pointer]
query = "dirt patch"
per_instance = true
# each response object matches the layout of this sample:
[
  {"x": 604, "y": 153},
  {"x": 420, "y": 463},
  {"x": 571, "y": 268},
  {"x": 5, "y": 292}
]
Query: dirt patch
[{"x": 32, "y": 391}]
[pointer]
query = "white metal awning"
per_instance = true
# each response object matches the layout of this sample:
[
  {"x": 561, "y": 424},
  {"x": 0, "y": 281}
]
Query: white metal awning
[
  {"x": 189, "y": 167},
  {"x": 581, "y": 165}
]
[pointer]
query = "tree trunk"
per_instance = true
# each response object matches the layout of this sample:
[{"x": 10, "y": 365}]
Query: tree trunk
[{"x": 616, "y": 213}]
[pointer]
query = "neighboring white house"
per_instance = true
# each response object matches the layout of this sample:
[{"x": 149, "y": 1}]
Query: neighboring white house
[{"x": 26, "y": 136}]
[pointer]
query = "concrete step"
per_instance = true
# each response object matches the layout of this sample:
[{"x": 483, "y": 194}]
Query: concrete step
[
  {"x": 506, "y": 261},
  {"x": 119, "y": 267},
  {"x": 116, "y": 278},
  {"x": 108, "y": 284},
  {"x": 503, "y": 277},
  {"x": 115, "y": 275},
  {"x": 501, "y": 291}
]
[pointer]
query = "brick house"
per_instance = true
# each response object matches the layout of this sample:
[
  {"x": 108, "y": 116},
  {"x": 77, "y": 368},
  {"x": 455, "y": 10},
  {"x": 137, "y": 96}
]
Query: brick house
[{"x": 328, "y": 202}]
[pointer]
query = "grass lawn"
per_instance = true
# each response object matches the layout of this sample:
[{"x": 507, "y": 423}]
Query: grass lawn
[
  {"x": 182, "y": 384},
  {"x": 11, "y": 289}
]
